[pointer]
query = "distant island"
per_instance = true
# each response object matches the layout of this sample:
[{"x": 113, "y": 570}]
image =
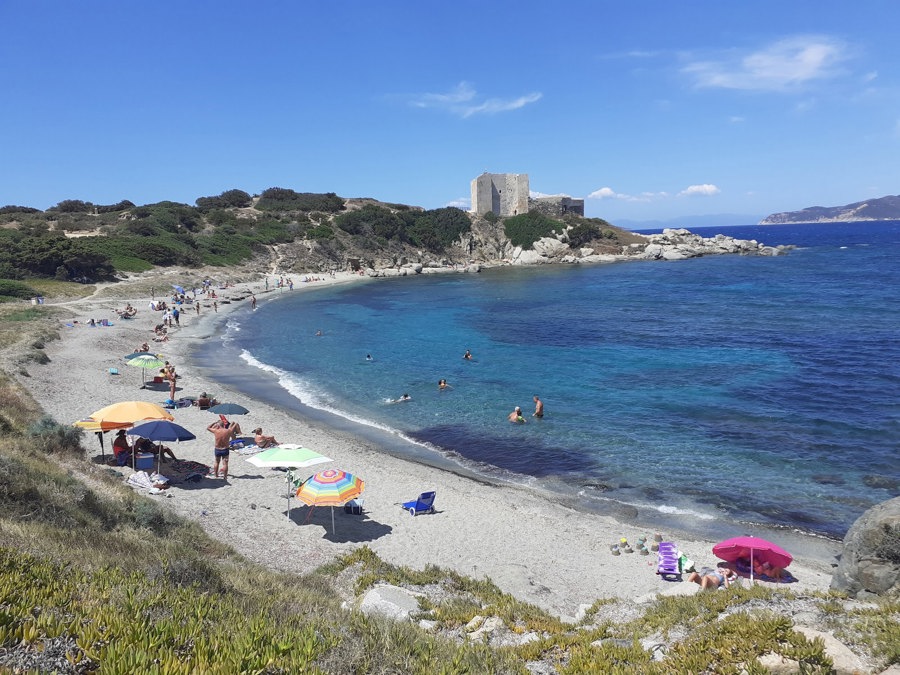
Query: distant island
[{"x": 882, "y": 208}]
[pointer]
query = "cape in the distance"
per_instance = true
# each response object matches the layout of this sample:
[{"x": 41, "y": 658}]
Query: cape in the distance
[{"x": 882, "y": 208}]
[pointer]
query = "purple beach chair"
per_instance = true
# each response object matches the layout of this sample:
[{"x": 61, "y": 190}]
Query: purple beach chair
[{"x": 667, "y": 561}]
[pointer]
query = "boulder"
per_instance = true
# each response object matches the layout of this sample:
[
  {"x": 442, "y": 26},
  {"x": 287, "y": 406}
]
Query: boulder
[
  {"x": 845, "y": 661},
  {"x": 550, "y": 247},
  {"x": 392, "y": 602},
  {"x": 870, "y": 560}
]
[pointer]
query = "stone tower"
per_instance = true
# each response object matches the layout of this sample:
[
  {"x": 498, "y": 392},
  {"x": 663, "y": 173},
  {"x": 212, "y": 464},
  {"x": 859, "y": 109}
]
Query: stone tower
[{"x": 505, "y": 194}]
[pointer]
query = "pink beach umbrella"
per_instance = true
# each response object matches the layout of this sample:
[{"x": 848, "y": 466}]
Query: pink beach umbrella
[{"x": 752, "y": 548}]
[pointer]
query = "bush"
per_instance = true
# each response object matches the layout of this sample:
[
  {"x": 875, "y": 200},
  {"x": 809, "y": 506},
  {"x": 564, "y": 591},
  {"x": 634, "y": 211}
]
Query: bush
[
  {"x": 228, "y": 199},
  {"x": 52, "y": 438},
  {"x": 527, "y": 228},
  {"x": 9, "y": 208},
  {"x": 583, "y": 233},
  {"x": 283, "y": 199},
  {"x": 15, "y": 289},
  {"x": 73, "y": 206},
  {"x": 123, "y": 205}
]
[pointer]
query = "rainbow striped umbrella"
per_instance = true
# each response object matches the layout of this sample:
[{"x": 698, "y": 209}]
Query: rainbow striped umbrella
[{"x": 331, "y": 487}]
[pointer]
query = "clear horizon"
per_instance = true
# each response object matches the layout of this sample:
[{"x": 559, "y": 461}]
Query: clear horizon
[{"x": 655, "y": 112}]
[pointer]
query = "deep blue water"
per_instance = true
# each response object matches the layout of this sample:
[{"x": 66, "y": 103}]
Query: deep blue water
[{"x": 759, "y": 389}]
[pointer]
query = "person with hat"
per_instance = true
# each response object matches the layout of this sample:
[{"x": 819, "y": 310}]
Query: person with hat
[
  {"x": 121, "y": 448},
  {"x": 516, "y": 416}
]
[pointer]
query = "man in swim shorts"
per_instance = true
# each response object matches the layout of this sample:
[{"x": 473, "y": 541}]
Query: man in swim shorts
[
  {"x": 223, "y": 435},
  {"x": 538, "y": 407}
]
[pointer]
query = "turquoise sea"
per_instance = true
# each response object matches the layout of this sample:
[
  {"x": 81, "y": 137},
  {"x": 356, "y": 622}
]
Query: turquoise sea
[{"x": 753, "y": 390}]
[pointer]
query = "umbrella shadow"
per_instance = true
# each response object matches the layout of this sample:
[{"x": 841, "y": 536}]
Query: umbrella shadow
[{"x": 347, "y": 528}]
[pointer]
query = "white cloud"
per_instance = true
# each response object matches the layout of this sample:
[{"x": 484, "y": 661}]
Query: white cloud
[
  {"x": 463, "y": 100},
  {"x": 539, "y": 195},
  {"x": 704, "y": 190},
  {"x": 609, "y": 193},
  {"x": 464, "y": 203},
  {"x": 735, "y": 119},
  {"x": 781, "y": 66}
]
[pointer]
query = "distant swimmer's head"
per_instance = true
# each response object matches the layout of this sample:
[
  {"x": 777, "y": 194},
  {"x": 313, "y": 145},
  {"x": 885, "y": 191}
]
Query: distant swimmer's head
[{"x": 518, "y": 409}]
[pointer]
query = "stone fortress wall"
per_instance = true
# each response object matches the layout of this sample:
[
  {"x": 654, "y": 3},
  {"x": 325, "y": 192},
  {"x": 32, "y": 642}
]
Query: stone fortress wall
[{"x": 507, "y": 194}]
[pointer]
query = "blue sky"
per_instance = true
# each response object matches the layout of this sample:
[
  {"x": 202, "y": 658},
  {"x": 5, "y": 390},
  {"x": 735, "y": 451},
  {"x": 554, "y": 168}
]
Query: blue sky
[{"x": 649, "y": 110}]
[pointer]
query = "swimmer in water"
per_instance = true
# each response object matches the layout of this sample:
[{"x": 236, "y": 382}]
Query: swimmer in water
[
  {"x": 516, "y": 416},
  {"x": 442, "y": 385},
  {"x": 403, "y": 399},
  {"x": 369, "y": 357},
  {"x": 468, "y": 355}
]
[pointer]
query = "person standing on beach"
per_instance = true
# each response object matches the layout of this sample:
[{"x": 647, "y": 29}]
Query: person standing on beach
[
  {"x": 252, "y": 301},
  {"x": 222, "y": 436},
  {"x": 538, "y": 407}
]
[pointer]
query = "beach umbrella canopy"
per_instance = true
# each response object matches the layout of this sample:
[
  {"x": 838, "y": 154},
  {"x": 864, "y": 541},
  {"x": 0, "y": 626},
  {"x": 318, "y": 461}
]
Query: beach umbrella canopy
[
  {"x": 331, "y": 487},
  {"x": 228, "y": 409},
  {"x": 128, "y": 357},
  {"x": 161, "y": 430},
  {"x": 100, "y": 428},
  {"x": 145, "y": 361},
  {"x": 291, "y": 456},
  {"x": 89, "y": 424},
  {"x": 178, "y": 289},
  {"x": 752, "y": 548},
  {"x": 131, "y": 412}
]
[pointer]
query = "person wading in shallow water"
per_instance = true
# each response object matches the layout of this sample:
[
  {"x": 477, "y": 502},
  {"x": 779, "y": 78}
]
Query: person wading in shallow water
[{"x": 538, "y": 407}]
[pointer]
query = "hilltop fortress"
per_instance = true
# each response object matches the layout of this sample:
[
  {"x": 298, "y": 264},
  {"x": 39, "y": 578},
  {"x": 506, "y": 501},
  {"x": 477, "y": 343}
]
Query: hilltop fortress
[{"x": 508, "y": 194}]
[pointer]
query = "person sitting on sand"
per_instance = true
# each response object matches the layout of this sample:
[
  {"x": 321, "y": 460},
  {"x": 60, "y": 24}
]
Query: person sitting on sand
[
  {"x": 707, "y": 578},
  {"x": 263, "y": 441},
  {"x": 516, "y": 416},
  {"x": 146, "y": 445},
  {"x": 121, "y": 448}
]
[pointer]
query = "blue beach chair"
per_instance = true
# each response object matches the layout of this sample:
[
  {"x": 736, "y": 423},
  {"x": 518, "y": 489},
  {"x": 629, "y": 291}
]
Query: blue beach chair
[{"x": 424, "y": 504}]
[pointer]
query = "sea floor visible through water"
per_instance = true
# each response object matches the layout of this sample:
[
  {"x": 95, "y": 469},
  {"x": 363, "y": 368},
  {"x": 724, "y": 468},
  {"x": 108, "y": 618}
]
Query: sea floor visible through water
[{"x": 715, "y": 393}]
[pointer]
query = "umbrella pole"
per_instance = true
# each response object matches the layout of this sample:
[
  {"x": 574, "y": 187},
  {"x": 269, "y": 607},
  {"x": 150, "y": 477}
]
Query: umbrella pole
[
  {"x": 332, "y": 520},
  {"x": 751, "y": 565}
]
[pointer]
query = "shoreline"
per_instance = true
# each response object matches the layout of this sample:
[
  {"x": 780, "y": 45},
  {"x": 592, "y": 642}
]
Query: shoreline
[{"x": 510, "y": 533}]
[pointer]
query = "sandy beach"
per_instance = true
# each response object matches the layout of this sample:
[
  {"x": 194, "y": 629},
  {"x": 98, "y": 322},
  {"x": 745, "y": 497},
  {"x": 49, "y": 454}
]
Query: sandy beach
[{"x": 532, "y": 547}]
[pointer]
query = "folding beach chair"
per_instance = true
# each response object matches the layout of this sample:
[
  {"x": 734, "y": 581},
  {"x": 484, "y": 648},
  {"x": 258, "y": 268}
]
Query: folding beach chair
[
  {"x": 424, "y": 504},
  {"x": 667, "y": 561}
]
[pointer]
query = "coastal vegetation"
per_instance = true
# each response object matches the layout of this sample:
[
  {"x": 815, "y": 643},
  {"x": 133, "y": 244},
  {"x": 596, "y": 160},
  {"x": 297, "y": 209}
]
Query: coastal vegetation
[
  {"x": 86, "y": 242},
  {"x": 94, "y": 576}
]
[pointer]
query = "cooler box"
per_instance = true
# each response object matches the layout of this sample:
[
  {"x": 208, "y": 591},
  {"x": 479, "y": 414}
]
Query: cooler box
[{"x": 143, "y": 461}]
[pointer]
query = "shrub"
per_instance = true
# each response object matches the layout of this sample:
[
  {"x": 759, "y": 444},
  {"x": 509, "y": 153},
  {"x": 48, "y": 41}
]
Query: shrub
[
  {"x": 491, "y": 217},
  {"x": 527, "y": 228},
  {"x": 583, "y": 233},
  {"x": 123, "y": 205},
  {"x": 228, "y": 199},
  {"x": 73, "y": 206},
  {"x": 283, "y": 199},
  {"x": 15, "y": 289},
  {"x": 9, "y": 208},
  {"x": 52, "y": 438}
]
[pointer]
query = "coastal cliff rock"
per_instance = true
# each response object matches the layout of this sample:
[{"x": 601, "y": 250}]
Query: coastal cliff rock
[{"x": 870, "y": 561}]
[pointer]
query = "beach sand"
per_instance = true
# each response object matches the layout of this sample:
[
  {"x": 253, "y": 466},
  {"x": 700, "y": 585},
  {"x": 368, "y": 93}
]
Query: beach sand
[{"x": 536, "y": 549}]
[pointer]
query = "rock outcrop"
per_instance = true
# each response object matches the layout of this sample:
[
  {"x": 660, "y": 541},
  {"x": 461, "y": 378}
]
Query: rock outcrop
[{"x": 870, "y": 561}]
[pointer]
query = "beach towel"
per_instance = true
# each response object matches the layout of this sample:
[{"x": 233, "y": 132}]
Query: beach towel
[
  {"x": 181, "y": 470},
  {"x": 140, "y": 479}
]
